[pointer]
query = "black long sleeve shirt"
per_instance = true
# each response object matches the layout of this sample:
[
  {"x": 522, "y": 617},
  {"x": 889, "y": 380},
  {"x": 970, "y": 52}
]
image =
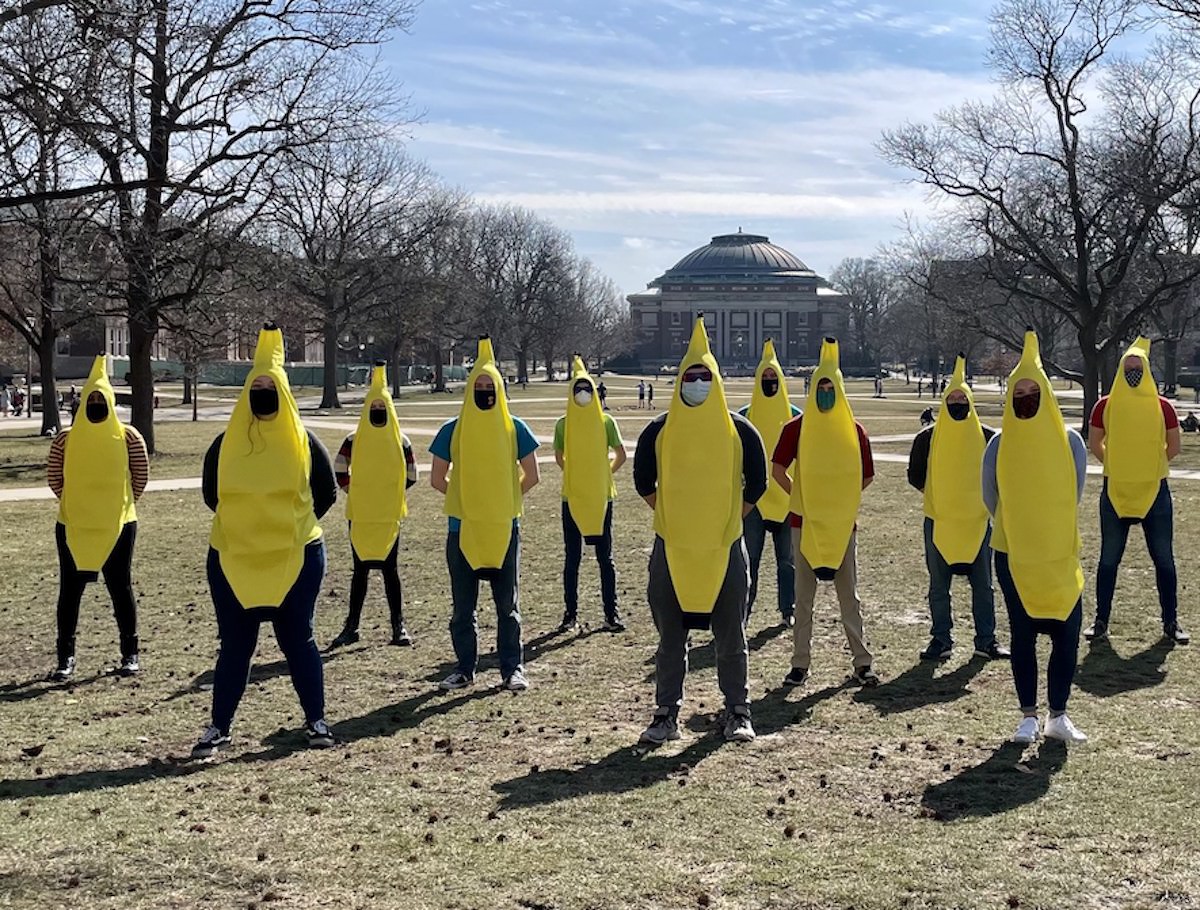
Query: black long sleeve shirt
[
  {"x": 754, "y": 458},
  {"x": 321, "y": 480},
  {"x": 918, "y": 458}
]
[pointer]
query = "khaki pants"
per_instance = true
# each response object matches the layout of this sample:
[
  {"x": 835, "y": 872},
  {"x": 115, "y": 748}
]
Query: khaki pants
[{"x": 845, "y": 583}]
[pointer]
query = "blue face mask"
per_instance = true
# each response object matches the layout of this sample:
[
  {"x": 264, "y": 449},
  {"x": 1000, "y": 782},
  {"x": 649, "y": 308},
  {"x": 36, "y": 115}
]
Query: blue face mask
[
  {"x": 695, "y": 392},
  {"x": 826, "y": 398}
]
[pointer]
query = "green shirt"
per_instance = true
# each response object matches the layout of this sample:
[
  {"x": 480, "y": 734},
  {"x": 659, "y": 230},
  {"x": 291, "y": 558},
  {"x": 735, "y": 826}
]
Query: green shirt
[{"x": 612, "y": 434}]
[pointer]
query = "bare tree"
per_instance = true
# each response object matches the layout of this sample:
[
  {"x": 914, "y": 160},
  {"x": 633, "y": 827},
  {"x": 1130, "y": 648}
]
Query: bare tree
[{"x": 870, "y": 290}]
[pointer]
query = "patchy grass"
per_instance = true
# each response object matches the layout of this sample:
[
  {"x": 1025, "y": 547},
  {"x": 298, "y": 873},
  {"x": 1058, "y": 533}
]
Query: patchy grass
[{"x": 900, "y": 797}]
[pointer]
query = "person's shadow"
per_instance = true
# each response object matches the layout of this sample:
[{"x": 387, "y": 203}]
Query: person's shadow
[
  {"x": 1000, "y": 784},
  {"x": 704, "y": 656},
  {"x": 918, "y": 686},
  {"x": 1105, "y": 673}
]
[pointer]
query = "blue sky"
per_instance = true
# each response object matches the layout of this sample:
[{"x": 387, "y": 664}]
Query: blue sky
[{"x": 645, "y": 127}]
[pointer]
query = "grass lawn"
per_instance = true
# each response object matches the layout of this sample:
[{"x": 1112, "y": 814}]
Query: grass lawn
[{"x": 901, "y": 797}]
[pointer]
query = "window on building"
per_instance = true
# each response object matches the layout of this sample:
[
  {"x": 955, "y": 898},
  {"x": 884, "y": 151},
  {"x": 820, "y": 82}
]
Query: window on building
[
  {"x": 677, "y": 318},
  {"x": 739, "y": 320},
  {"x": 650, "y": 319},
  {"x": 771, "y": 320}
]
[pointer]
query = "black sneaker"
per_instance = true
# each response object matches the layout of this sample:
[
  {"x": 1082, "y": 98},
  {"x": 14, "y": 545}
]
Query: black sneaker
[
  {"x": 1173, "y": 631},
  {"x": 613, "y": 623},
  {"x": 64, "y": 671},
  {"x": 345, "y": 637},
  {"x": 401, "y": 638},
  {"x": 129, "y": 666},
  {"x": 866, "y": 677},
  {"x": 787, "y": 620},
  {"x": 937, "y": 650},
  {"x": 1097, "y": 631},
  {"x": 211, "y": 742},
  {"x": 662, "y": 727},
  {"x": 569, "y": 621},
  {"x": 797, "y": 676},
  {"x": 994, "y": 651},
  {"x": 319, "y": 735}
]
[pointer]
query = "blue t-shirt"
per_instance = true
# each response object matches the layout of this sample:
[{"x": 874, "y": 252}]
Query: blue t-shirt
[{"x": 527, "y": 444}]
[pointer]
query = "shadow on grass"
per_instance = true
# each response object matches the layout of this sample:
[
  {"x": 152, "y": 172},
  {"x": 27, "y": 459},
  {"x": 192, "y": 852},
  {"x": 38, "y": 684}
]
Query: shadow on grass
[
  {"x": 634, "y": 767},
  {"x": 917, "y": 687},
  {"x": 704, "y": 657},
  {"x": 534, "y": 648},
  {"x": 258, "y": 673},
  {"x": 1104, "y": 673},
  {"x": 1000, "y": 784},
  {"x": 41, "y": 685}
]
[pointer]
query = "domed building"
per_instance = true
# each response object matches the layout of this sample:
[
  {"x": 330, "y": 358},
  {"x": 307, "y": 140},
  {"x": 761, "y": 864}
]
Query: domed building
[{"x": 749, "y": 290}]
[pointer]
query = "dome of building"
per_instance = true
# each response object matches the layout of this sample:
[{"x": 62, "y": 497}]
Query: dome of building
[{"x": 739, "y": 257}]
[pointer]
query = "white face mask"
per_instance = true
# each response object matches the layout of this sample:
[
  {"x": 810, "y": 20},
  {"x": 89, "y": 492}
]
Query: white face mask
[
  {"x": 695, "y": 392},
  {"x": 583, "y": 399}
]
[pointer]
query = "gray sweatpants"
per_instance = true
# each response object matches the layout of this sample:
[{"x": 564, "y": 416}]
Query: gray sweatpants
[{"x": 728, "y": 628}]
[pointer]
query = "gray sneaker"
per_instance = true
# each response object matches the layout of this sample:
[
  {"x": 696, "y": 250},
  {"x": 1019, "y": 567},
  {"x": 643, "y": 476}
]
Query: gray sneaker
[
  {"x": 662, "y": 727},
  {"x": 738, "y": 728},
  {"x": 456, "y": 680},
  {"x": 516, "y": 682},
  {"x": 211, "y": 742},
  {"x": 319, "y": 735}
]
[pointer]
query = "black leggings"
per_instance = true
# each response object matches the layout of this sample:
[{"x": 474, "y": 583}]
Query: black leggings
[
  {"x": 391, "y": 588},
  {"x": 71, "y": 582}
]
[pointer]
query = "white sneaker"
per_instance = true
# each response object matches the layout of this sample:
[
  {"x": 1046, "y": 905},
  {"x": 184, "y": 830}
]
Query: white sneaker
[
  {"x": 1060, "y": 727},
  {"x": 1028, "y": 731}
]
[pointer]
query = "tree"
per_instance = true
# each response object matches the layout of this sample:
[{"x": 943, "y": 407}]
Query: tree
[
  {"x": 869, "y": 289},
  {"x": 1065, "y": 202}
]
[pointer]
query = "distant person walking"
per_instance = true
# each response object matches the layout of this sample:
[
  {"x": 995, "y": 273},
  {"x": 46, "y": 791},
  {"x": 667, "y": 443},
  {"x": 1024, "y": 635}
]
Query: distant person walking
[
  {"x": 602, "y": 391},
  {"x": 641, "y": 394},
  {"x": 650, "y": 395}
]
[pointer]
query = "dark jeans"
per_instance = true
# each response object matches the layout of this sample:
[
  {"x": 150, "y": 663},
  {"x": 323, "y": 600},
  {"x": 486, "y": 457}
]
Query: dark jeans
[
  {"x": 464, "y": 592},
  {"x": 573, "y": 542},
  {"x": 983, "y": 600},
  {"x": 754, "y": 530},
  {"x": 1157, "y": 527},
  {"x": 1064, "y": 646},
  {"x": 237, "y": 628},
  {"x": 391, "y": 587},
  {"x": 71, "y": 582}
]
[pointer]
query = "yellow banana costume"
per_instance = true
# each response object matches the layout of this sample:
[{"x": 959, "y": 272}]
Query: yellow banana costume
[
  {"x": 698, "y": 510},
  {"x": 1135, "y": 439},
  {"x": 953, "y": 497},
  {"x": 1037, "y": 519},
  {"x": 829, "y": 463},
  {"x": 769, "y": 414},
  {"x": 377, "y": 501},
  {"x": 264, "y": 515},
  {"x": 587, "y": 477},
  {"x": 485, "y": 481},
  {"x": 97, "y": 497}
]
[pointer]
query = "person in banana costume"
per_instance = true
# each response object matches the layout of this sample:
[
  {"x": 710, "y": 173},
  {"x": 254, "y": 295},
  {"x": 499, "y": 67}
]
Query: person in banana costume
[
  {"x": 268, "y": 481},
  {"x": 484, "y": 461},
  {"x": 769, "y": 409},
  {"x": 1033, "y": 475},
  {"x": 944, "y": 464},
  {"x": 378, "y": 458},
  {"x": 832, "y": 455},
  {"x": 98, "y": 469},
  {"x": 1134, "y": 433},
  {"x": 583, "y": 439},
  {"x": 700, "y": 468}
]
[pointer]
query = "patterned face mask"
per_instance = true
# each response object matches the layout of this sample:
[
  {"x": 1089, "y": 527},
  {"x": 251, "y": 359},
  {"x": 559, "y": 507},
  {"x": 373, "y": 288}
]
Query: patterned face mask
[{"x": 1134, "y": 377}]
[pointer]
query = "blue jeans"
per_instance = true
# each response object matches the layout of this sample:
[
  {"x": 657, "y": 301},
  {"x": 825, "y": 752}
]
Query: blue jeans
[
  {"x": 754, "y": 530},
  {"x": 1064, "y": 646},
  {"x": 573, "y": 543},
  {"x": 464, "y": 592},
  {"x": 983, "y": 600},
  {"x": 1157, "y": 526},
  {"x": 293, "y": 622}
]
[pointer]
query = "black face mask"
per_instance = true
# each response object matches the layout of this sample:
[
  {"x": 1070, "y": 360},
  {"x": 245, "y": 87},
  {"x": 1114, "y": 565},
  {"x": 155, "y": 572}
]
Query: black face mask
[
  {"x": 378, "y": 417},
  {"x": 958, "y": 410},
  {"x": 96, "y": 411},
  {"x": 1134, "y": 377},
  {"x": 485, "y": 399},
  {"x": 264, "y": 402},
  {"x": 1027, "y": 405},
  {"x": 770, "y": 387}
]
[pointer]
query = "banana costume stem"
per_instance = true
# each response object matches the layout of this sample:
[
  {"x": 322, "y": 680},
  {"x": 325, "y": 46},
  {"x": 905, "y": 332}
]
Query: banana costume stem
[
  {"x": 377, "y": 501},
  {"x": 1135, "y": 438},
  {"x": 264, "y": 516},
  {"x": 484, "y": 490},
  {"x": 768, "y": 414},
  {"x": 953, "y": 497},
  {"x": 587, "y": 477},
  {"x": 698, "y": 510},
  {"x": 97, "y": 498}
]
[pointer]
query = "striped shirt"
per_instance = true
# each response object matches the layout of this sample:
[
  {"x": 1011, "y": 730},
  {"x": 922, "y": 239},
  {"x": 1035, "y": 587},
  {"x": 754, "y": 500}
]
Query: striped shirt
[
  {"x": 139, "y": 463},
  {"x": 341, "y": 464}
]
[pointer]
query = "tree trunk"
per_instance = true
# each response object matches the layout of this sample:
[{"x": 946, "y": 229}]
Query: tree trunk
[
  {"x": 329, "y": 392},
  {"x": 141, "y": 371},
  {"x": 187, "y": 387},
  {"x": 1091, "y": 374},
  {"x": 1170, "y": 375},
  {"x": 439, "y": 372},
  {"x": 51, "y": 420},
  {"x": 522, "y": 365},
  {"x": 549, "y": 358},
  {"x": 394, "y": 367}
]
